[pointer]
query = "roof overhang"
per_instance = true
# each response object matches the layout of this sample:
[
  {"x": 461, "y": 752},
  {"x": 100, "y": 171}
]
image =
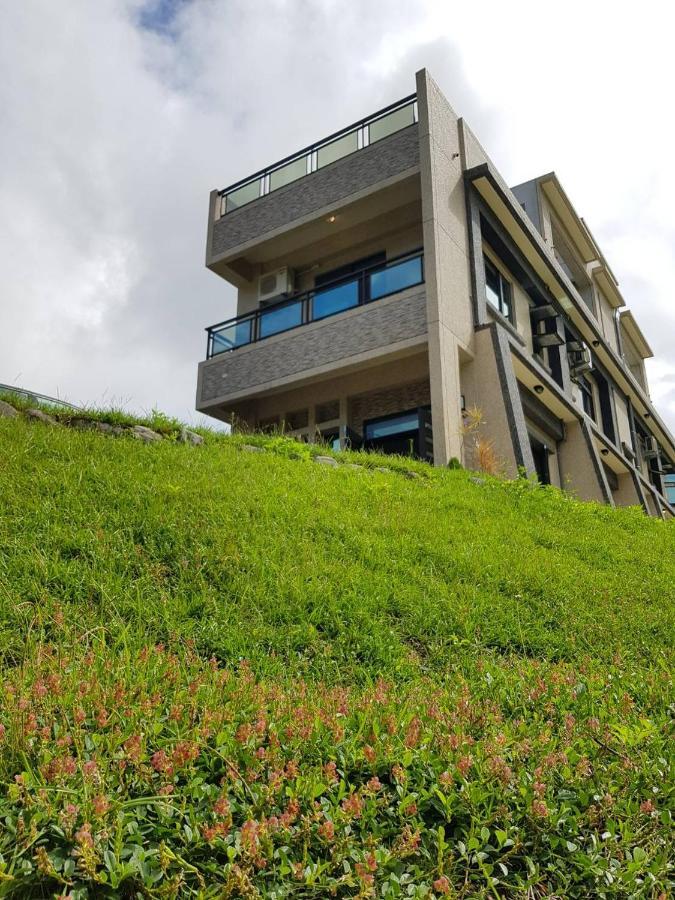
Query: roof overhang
[
  {"x": 574, "y": 224},
  {"x": 608, "y": 285},
  {"x": 632, "y": 329}
]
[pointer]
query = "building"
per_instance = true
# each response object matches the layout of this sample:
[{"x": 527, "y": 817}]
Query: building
[{"x": 390, "y": 284}]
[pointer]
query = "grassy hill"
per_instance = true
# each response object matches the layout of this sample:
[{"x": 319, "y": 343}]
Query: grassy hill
[{"x": 229, "y": 673}]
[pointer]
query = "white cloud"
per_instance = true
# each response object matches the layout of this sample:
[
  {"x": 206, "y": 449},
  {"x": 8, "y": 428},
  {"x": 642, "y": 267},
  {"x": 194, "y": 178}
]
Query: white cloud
[{"x": 113, "y": 135}]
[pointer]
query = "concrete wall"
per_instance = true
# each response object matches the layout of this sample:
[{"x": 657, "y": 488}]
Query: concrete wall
[
  {"x": 580, "y": 468},
  {"x": 352, "y": 336},
  {"x": 489, "y": 385},
  {"x": 634, "y": 361},
  {"x": 332, "y": 184},
  {"x": 606, "y": 318},
  {"x": 627, "y": 493},
  {"x": 447, "y": 266}
]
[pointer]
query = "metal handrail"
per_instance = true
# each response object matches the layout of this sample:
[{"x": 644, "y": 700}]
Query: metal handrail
[
  {"x": 32, "y": 395},
  {"x": 307, "y": 152},
  {"x": 306, "y": 297}
]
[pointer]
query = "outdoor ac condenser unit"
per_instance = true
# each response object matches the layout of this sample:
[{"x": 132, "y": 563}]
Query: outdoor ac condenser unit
[
  {"x": 274, "y": 285},
  {"x": 650, "y": 448},
  {"x": 579, "y": 356}
]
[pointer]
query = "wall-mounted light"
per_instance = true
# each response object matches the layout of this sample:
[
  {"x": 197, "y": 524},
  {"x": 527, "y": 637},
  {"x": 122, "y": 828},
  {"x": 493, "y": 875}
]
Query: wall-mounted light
[
  {"x": 605, "y": 451},
  {"x": 539, "y": 389}
]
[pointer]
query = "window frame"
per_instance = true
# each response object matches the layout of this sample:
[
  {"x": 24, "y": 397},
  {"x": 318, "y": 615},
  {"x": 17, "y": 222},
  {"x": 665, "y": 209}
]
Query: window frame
[
  {"x": 504, "y": 293},
  {"x": 587, "y": 397}
]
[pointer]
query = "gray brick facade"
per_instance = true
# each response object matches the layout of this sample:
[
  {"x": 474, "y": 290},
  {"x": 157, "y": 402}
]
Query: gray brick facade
[
  {"x": 388, "y": 401},
  {"x": 386, "y": 158},
  {"x": 365, "y": 329}
]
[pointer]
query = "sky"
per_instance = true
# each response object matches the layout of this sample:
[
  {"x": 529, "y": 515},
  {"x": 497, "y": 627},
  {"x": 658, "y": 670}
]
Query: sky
[{"x": 118, "y": 117}]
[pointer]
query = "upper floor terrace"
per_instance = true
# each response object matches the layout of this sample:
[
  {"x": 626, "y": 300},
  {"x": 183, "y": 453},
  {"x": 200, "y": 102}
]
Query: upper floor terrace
[{"x": 336, "y": 183}]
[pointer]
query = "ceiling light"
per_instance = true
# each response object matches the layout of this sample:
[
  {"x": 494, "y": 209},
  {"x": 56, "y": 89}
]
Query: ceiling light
[
  {"x": 331, "y": 219},
  {"x": 538, "y": 389},
  {"x": 596, "y": 343},
  {"x": 604, "y": 451}
]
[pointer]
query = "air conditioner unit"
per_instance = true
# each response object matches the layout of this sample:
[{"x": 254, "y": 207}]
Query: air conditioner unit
[
  {"x": 274, "y": 285},
  {"x": 650, "y": 448},
  {"x": 628, "y": 451},
  {"x": 579, "y": 357}
]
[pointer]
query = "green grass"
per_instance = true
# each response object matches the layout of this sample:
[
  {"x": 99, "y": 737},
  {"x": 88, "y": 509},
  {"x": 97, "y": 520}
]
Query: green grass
[
  {"x": 287, "y": 573},
  {"x": 157, "y": 420}
]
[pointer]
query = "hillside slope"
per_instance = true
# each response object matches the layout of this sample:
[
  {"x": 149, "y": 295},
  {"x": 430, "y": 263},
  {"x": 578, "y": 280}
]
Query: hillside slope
[{"x": 494, "y": 659}]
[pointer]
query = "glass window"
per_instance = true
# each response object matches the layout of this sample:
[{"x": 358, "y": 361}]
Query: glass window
[
  {"x": 498, "y": 290},
  {"x": 669, "y": 482},
  {"x": 337, "y": 149},
  {"x": 334, "y": 300},
  {"x": 235, "y": 335},
  {"x": 242, "y": 195},
  {"x": 390, "y": 123},
  {"x": 351, "y": 268},
  {"x": 587, "y": 400},
  {"x": 288, "y": 173},
  {"x": 280, "y": 318},
  {"x": 394, "y": 425},
  {"x": 395, "y": 278},
  {"x": 331, "y": 438}
]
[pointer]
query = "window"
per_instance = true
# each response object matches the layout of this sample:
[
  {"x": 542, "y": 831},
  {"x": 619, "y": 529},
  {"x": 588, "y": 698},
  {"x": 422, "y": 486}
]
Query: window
[
  {"x": 587, "y": 397},
  {"x": 669, "y": 484},
  {"x": 331, "y": 437},
  {"x": 540, "y": 453},
  {"x": 498, "y": 290},
  {"x": 406, "y": 433},
  {"x": 391, "y": 425},
  {"x": 358, "y": 265}
]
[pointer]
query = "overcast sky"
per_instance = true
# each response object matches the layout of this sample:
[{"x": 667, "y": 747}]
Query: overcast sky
[{"x": 117, "y": 119}]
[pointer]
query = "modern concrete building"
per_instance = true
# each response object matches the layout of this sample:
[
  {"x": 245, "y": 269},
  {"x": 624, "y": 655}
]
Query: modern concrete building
[{"x": 390, "y": 284}]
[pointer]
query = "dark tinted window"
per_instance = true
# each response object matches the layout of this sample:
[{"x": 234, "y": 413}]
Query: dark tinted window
[{"x": 350, "y": 268}]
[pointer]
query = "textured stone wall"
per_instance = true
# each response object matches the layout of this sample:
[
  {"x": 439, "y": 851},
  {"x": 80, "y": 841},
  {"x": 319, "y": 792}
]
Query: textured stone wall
[
  {"x": 368, "y": 328},
  {"x": 334, "y": 183},
  {"x": 388, "y": 401}
]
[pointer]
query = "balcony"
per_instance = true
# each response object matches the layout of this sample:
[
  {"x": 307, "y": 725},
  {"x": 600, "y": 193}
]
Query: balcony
[
  {"x": 343, "y": 143},
  {"x": 354, "y": 166},
  {"x": 341, "y": 328},
  {"x": 365, "y": 287}
]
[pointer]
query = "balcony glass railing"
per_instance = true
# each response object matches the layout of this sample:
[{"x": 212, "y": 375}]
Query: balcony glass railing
[
  {"x": 355, "y": 137},
  {"x": 370, "y": 284}
]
